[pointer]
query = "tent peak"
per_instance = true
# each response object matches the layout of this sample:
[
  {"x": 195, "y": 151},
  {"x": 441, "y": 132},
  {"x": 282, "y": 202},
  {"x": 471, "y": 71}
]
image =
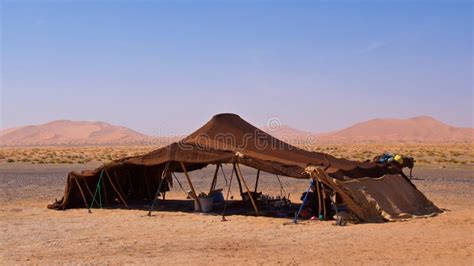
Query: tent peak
[{"x": 225, "y": 115}]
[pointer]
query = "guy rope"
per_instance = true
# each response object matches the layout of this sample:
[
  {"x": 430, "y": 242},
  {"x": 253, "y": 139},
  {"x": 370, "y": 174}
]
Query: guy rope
[
  {"x": 155, "y": 200},
  {"x": 97, "y": 190}
]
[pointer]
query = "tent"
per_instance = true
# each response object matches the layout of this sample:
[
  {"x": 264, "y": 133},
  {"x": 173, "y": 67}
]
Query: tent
[{"x": 225, "y": 139}]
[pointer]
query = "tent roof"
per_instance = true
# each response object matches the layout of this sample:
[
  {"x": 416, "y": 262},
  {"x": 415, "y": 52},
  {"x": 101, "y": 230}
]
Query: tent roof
[{"x": 227, "y": 138}]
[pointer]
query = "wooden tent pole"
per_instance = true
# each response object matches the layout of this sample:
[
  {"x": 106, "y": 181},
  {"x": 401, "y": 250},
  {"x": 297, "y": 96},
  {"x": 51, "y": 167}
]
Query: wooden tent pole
[
  {"x": 214, "y": 179},
  {"x": 82, "y": 193},
  {"x": 131, "y": 183},
  {"x": 191, "y": 185},
  {"x": 324, "y": 200},
  {"x": 116, "y": 190},
  {"x": 158, "y": 190},
  {"x": 88, "y": 189},
  {"x": 92, "y": 196},
  {"x": 228, "y": 192},
  {"x": 106, "y": 199},
  {"x": 319, "y": 198},
  {"x": 320, "y": 175},
  {"x": 118, "y": 184},
  {"x": 238, "y": 180},
  {"x": 248, "y": 190},
  {"x": 146, "y": 183},
  {"x": 256, "y": 180}
]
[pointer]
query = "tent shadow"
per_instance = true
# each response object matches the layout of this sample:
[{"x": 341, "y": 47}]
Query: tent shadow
[{"x": 234, "y": 207}]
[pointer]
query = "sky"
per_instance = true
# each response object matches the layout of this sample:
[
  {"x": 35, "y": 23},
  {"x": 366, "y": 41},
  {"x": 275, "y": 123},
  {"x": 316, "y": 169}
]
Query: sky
[{"x": 165, "y": 67}]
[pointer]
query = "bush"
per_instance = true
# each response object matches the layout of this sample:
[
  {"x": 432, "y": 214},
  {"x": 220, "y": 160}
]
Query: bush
[{"x": 10, "y": 161}]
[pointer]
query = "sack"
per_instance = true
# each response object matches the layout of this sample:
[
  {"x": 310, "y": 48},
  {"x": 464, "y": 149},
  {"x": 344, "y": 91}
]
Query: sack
[{"x": 398, "y": 158}]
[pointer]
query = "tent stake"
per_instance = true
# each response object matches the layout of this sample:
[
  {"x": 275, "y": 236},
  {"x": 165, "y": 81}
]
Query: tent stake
[
  {"x": 115, "y": 189},
  {"x": 191, "y": 185},
  {"x": 248, "y": 190}
]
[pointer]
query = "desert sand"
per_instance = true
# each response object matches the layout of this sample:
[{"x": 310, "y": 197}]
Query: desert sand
[{"x": 33, "y": 234}]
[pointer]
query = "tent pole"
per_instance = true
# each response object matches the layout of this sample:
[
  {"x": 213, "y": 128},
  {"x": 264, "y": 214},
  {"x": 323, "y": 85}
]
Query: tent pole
[
  {"x": 146, "y": 183},
  {"x": 106, "y": 199},
  {"x": 118, "y": 184},
  {"x": 100, "y": 194},
  {"x": 82, "y": 192},
  {"x": 88, "y": 189},
  {"x": 320, "y": 216},
  {"x": 155, "y": 200},
  {"x": 214, "y": 179},
  {"x": 131, "y": 183},
  {"x": 191, "y": 185},
  {"x": 248, "y": 190},
  {"x": 295, "y": 220},
  {"x": 238, "y": 180},
  {"x": 115, "y": 189},
  {"x": 256, "y": 181},
  {"x": 227, "y": 197},
  {"x": 323, "y": 193}
]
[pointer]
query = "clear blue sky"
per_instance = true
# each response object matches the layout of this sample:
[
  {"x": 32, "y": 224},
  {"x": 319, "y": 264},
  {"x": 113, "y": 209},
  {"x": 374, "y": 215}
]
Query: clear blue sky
[{"x": 164, "y": 67}]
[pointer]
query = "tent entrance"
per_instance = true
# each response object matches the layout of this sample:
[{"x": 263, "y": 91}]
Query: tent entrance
[{"x": 226, "y": 180}]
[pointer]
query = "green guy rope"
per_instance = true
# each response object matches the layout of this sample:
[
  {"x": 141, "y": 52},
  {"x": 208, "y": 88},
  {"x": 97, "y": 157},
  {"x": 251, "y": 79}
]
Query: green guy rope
[{"x": 98, "y": 187}]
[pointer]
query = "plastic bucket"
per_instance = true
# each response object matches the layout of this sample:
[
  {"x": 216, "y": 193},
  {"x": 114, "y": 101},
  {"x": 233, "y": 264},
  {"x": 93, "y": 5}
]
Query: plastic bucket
[
  {"x": 206, "y": 204},
  {"x": 217, "y": 196}
]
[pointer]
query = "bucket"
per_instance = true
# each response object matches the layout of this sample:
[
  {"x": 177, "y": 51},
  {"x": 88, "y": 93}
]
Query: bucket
[
  {"x": 217, "y": 196},
  {"x": 206, "y": 204}
]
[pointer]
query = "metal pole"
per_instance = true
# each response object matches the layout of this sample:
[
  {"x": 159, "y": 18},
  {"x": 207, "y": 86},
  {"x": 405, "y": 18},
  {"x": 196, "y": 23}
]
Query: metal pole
[{"x": 304, "y": 201}]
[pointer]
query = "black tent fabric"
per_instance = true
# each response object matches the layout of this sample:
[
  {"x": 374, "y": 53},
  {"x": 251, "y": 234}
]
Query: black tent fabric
[{"x": 226, "y": 138}]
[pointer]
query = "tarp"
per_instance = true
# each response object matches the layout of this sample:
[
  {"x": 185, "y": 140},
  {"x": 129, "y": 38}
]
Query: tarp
[{"x": 387, "y": 198}]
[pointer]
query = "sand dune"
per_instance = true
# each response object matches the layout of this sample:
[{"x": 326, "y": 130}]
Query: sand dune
[
  {"x": 287, "y": 133},
  {"x": 418, "y": 129},
  {"x": 66, "y": 132}
]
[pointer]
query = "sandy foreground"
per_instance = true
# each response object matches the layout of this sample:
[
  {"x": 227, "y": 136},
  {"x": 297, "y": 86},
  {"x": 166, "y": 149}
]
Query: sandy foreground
[{"x": 33, "y": 234}]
